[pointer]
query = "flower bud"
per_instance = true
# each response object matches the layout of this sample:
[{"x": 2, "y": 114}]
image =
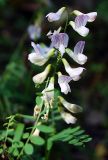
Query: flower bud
[
  {"x": 70, "y": 107},
  {"x": 39, "y": 78},
  {"x": 68, "y": 118}
]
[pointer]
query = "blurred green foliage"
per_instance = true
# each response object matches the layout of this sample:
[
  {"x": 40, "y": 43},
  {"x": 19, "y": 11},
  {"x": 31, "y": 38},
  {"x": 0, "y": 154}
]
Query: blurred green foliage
[{"x": 16, "y": 86}]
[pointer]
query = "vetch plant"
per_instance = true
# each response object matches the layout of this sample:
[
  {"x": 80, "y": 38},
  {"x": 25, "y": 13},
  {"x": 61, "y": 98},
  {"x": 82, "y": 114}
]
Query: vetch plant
[{"x": 51, "y": 106}]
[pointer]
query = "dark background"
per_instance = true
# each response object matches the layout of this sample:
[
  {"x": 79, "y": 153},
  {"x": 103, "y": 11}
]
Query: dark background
[{"x": 17, "y": 91}]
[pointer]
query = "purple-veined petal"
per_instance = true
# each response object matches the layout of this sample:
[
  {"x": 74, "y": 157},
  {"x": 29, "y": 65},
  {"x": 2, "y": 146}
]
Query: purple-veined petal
[
  {"x": 40, "y": 55},
  {"x": 79, "y": 57},
  {"x": 79, "y": 47},
  {"x": 92, "y": 16},
  {"x": 60, "y": 41},
  {"x": 81, "y": 20},
  {"x": 63, "y": 81},
  {"x": 55, "y": 16},
  {"x": 83, "y": 31}
]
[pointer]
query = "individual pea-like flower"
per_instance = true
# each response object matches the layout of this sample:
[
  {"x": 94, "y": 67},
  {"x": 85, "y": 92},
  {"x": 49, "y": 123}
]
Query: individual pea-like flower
[
  {"x": 34, "y": 31},
  {"x": 68, "y": 118},
  {"x": 81, "y": 20},
  {"x": 83, "y": 31},
  {"x": 59, "y": 41},
  {"x": 63, "y": 81},
  {"x": 89, "y": 17},
  {"x": 39, "y": 78},
  {"x": 48, "y": 93},
  {"x": 55, "y": 16},
  {"x": 78, "y": 55},
  {"x": 40, "y": 55},
  {"x": 69, "y": 106},
  {"x": 74, "y": 73}
]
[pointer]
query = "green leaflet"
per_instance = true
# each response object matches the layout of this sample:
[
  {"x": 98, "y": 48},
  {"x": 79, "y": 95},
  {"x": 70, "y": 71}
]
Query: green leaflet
[
  {"x": 37, "y": 140},
  {"x": 18, "y": 132},
  {"x": 45, "y": 129},
  {"x": 28, "y": 148}
]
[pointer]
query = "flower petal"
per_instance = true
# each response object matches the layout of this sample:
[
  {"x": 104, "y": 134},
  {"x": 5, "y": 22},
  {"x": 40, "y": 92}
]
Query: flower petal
[
  {"x": 70, "y": 107},
  {"x": 73, "y": 72},
  {"x": 79, "y": 47},
  {"x": 41, "y": 55},
  {"x": 55, "y": 16},
  {"x": 92, "y": 16},
  {"x": 62, "y": 49},
  {"x": 39, "y": 78},
  {"x": 81, "y": 20},
  {"x": 77, "y": 57},
  {"x": 34, "y": 31},
  {"x": 68, "y": 118},
  {"x": 83, "y": 31},
  {"x": 63, "y": 83}
]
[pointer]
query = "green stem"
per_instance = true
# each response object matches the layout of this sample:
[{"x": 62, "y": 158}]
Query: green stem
[
  {"x": 66, "y": 23},
  {"x": 36, "y": 122}
]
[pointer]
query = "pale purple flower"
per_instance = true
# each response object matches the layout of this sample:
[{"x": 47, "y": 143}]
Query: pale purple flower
[
  {"x": 81, "y": 20},
  {"x": 83, "y": 31},
  {"x": 55, "y": 16},
  {"x": 74, "y": 73},
  {"x": 40, "y": 55},
  {"x": 59, "y": 41},
  {"x": 63, "y": 81},
  {"x": 78, "y": 55},
  {"x": 91, "y": 16},
  {"x": 34, "y": 32},
  {"x": 69, "y": 106}
]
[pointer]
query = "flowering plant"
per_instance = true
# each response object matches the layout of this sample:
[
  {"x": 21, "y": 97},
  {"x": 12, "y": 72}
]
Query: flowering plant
[
  {"x": 58, "y": 48},
  {"x": 51, "y": 105}
]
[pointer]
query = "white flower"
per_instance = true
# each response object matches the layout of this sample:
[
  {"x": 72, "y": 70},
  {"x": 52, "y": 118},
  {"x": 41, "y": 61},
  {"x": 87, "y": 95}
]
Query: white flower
[
  {"x": 55, "y": 16},
  {"x": 68, "y": 118},
  {"x": 34, "y": 31},
  {"x": 63, "y": 81},
  {"x": 91, "y": 16},
  {"x": 40, "y": 55},
  {"x": 83, "y": 31},
  {"x": 73, "y": 72},
  {"x": 39, "y": 78},
  {"x": 36, "y": 132},
  {"x": 48, "y": 93},
  {"x": 59, "y": 41},
  {"x": 69, "y": 106},
  {"x": 78, "y": 55}
]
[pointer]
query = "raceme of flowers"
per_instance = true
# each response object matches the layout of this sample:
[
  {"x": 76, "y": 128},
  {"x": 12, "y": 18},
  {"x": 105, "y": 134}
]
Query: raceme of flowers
[{"x": 58, "y": 48}]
